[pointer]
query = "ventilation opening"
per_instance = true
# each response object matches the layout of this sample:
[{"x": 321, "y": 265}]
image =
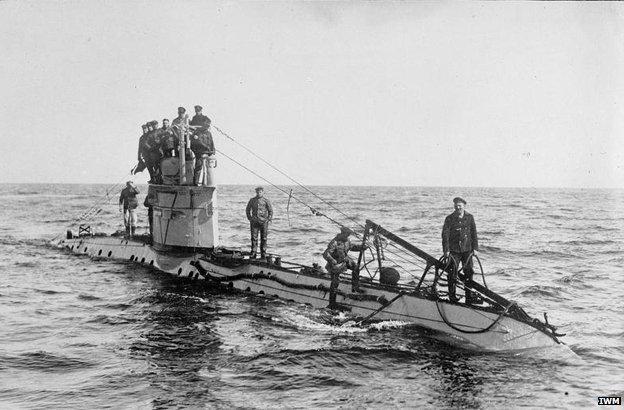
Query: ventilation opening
[
  {"x": 110, "y": 253},
  {"x": 100, "y": 252}
]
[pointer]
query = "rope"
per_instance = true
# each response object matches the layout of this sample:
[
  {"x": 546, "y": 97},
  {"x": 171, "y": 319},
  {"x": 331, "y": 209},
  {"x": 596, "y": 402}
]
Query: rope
[
  {"x": 287, "y": 176},
  {"x": 261, "y": 275},
  {"x": 289, "y": 194},
  {"x": 485, "y": 329},
  {"x": 367, "y": 318},
  {"x": 95, "y": 208}
]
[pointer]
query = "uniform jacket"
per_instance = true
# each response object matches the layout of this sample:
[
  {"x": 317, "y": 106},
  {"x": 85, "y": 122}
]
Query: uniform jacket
[
  {"x": 142, "y": 148},
  {"x": 459, "y": 234},
  {"x": 128, "y": 198},
  {"x": 202, "y": 143},
  {"x": 338, "y": 249},
  {"x": 199, "y": 119},
  {"x": 259, "y": 210},
  {"x": 169, "y": 141}
]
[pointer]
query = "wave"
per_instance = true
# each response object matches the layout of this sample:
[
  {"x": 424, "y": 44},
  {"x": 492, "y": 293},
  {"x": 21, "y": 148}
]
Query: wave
[
  {"x": 44, "y": 361},
  {"x": 523, "y": 253},
  {"x": 493, "y": 232},
  {"x": 84, "y": 296},
  {"x": 544, "y": 291},
  {"x": 112, "y": 320},
  {"x": 51, "y": 291},
  {"x": 27, "y": 192},
  {"x": 11, "y": 240},
  {"x": 579, "y": 242},
  {"x": 27, "y": 264}
]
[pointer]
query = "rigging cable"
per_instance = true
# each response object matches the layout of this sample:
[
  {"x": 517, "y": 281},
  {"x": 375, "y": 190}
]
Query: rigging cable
[
  {"x": 95, "y": 208},
  {"x": 317, "y": 213},
  {"x": 313, "y": 210},
  {"x": 287, "y": 176}
]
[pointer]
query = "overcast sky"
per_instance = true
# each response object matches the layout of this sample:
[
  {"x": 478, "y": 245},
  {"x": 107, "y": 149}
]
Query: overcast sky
[{"x": 356, "y": 93}]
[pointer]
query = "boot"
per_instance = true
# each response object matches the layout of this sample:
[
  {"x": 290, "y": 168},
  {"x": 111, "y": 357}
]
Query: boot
[
  {"x": 332, "y": 300},
  {"x": 127, "y": 230},
  {"x": 132, "y": 231}
]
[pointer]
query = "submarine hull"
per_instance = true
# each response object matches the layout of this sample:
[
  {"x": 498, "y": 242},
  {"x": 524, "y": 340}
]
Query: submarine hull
[{"x": 469, "y": 327}]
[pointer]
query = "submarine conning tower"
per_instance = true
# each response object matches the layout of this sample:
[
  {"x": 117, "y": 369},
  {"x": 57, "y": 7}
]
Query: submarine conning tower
[{"x": 184, "y": 206}]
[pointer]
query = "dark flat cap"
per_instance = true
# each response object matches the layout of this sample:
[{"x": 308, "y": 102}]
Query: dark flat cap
[
  {"x": 198, "y": 107},
  {"x": 259, "y": 189},
  {"x": 346, "y": 231},
  {"x": 459, "y": 199},
  {"x": 181, "y": 109}
]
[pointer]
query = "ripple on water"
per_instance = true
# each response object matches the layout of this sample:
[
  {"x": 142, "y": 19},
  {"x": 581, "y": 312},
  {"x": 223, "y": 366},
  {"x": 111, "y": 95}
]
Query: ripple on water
[{"x": 44, "y": 361}]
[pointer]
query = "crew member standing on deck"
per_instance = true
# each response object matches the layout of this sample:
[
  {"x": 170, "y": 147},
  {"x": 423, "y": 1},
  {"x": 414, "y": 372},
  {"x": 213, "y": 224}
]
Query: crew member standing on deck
[
  {"x": 199, "y": 118},
  {"x": 459, "y": 240},
  {"x": 202, "y": 146},
  {"x": 128, "y": 203},
  {"x": 142, "y": 152},
  {"x": 180, "y": 119},
  {"x": 153, "y": 152},
  {"x": 259, "y": 213},
  {"x": 338, "y": 260},
  {"x": 169, "y": 142}
]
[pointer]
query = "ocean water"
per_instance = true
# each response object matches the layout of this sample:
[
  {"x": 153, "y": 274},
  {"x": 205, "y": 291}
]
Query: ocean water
[{"x": 81, "y": 333}]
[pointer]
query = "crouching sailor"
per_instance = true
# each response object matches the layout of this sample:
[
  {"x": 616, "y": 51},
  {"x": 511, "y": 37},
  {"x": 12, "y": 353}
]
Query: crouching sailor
[
  {"x": 338, "y": 260},
  {"x": 128, "y": 203}
]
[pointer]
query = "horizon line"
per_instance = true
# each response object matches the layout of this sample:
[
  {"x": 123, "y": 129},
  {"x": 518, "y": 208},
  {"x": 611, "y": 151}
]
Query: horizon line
[{"x": 337, "y": 185}]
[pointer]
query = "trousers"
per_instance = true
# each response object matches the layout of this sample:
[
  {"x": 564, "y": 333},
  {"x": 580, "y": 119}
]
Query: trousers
[
  {"x": 466, "y": 262},
  {"x": 261, "y": 228},
  {"x": 130, "y": 218}
]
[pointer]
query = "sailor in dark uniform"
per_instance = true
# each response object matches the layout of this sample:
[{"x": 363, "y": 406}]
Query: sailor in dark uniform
[
  {"x": 259, "y": 213},
  {"x": 459, "y": 240},
  {"x": 142, "y": 151},
  {"x": 199, "y": 118},
  {"x": 169, "y": 141},
  {"x": 202, "y": 145},
  {"x": 338, "y": 260},
  {"x": 128, "y": 204},
  {"x": 153, "y": 152}
]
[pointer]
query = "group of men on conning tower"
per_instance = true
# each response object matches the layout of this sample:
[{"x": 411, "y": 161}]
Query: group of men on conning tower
[{"x": 157, "y": 146}]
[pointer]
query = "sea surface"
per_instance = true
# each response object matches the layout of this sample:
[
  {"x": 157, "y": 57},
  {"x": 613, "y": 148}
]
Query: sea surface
[{"x": 82, "y": 333}]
